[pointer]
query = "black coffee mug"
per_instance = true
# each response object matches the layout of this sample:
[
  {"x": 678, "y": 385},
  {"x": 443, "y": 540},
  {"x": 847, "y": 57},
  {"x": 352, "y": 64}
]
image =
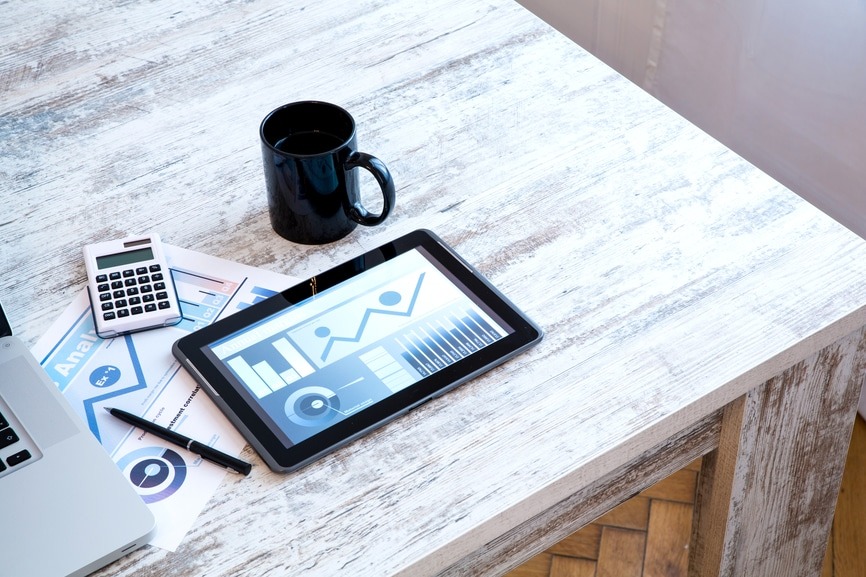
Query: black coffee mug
[{"x": 310, "y": 157}]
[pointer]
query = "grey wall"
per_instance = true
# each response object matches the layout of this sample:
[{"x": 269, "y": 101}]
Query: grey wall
[{"x": 781, "y": 82}]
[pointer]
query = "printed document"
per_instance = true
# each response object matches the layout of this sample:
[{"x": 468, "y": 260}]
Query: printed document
[{"x": 137, "y": 373}]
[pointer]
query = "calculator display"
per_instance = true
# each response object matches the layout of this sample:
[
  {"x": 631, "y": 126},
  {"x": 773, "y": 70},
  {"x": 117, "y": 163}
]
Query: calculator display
[{"x": 122, "y": 258}]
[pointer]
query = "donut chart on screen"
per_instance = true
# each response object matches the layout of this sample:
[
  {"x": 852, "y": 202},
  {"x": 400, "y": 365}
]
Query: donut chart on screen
[
  {"x": 155, "y": 472},
  {"x": 312, "y": 406}
]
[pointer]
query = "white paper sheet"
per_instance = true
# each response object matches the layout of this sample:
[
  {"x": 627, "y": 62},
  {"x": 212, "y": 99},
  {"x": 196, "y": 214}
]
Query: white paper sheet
[{"x": 137, "y": 373}]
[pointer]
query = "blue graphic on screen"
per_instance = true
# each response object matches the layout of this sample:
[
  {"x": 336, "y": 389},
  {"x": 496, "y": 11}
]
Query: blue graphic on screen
[
  {"x": 388, "y": 298},
  {"x": 355, "y": 344}
]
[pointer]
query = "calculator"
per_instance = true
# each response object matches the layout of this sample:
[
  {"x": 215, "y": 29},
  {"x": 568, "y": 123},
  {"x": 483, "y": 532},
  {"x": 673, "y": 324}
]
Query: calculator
[{"x": 130, "y": 286}]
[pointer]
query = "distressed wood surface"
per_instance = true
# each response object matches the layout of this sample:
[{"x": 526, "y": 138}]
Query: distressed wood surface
[
  {"x": 670, "y": 276},
  {"x": 758, "y": 526},
  {"x": 584, "y": 506}
]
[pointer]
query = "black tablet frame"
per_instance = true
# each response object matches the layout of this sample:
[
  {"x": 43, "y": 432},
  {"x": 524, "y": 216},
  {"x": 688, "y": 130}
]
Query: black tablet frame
[{"x": 193, "y": 353}]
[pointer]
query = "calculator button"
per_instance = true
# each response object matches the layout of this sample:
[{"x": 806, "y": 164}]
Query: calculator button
[
  {"x": 122, "y": 313},
  {"x": 103, "y": 288},
  {"x": 148, "y": 298},
  {"x": 118, "y": 294},
  {"x": 136, "y": 310},
  {"x": 3, "y": 422},
  {"x": 18, "y": 458},
  {"x": 7, "y": 437},
  {"x": 104, "y": 297},
  {"x": 164, "y": 305},
  {"x": 114, "y": 276},
  {"x": 118, "y": 284},
  {"x": 128, "y": 273},
  {"x": 161, "y": 296},
  {"x": 101, "y": 278},
  {"x": 109, "y": 316},
  {"x": 145, "y": 288},
  {"x": 156, "y": 277},
  {"x": 107, "y": 306},
  {"x": 135, "y": 300},
  {"x": 141, "y": 270},
  {"x": 120, "y": 303},
  {"x": 129, "y": 282},
  {"x": 150, "y": 307},
  {"x": 155, "y": 268},
  {"x": 160, "y": 286},
  {"x": 132, "y": 291},
  {"x": 144, "y": 279},
  {"x": 2, "y": 467}
]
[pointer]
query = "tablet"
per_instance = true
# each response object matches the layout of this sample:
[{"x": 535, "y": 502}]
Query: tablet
[{"x": 328, "y": 360}]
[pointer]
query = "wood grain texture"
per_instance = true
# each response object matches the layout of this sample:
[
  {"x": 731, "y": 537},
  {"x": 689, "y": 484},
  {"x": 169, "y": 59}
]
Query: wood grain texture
[
  {"x": 667, "y": 540},
  {"x": 633, "y": 514},
  {"x": 670, "y": 276},
  {"x": 678, "y": 487},
  {"x": 782, "y": 427},
  {"x": 847, "y": 557},
  {"x": 583, "y": 544},
  {"x": 538, "y": 566},
  {"x": 844, "y": 556},
  {"x": 621, "y": 553},
  {"x": 565, "y": 567},
  {"x": 713, "y": 498},
  {"x": 578, "y": 509}
]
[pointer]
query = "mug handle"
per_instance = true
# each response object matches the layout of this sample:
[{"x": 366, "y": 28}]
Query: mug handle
[{"x": 380, "y": 172}]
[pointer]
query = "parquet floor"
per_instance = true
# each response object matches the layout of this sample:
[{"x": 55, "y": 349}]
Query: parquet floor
[{"x": 648, "y": 535}]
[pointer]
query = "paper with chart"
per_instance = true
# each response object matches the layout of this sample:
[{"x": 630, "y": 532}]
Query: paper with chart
[{"x": 138, "y": 373}]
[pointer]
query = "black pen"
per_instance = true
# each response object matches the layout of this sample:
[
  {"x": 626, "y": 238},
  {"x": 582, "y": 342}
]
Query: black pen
[{"x": 205, "y": 452}]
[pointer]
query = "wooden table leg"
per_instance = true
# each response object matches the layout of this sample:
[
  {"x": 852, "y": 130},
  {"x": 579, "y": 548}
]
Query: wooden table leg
[{"x": 766, "y": 496}]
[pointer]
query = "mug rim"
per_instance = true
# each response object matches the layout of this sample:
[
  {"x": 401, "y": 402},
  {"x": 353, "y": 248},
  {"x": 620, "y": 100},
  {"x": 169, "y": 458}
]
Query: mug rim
[{"x": 297, "y": 103}]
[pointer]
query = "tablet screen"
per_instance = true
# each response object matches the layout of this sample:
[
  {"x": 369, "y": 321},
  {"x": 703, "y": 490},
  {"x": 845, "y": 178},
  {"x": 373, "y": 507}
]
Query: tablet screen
[
  {"x": 312, "y": 365},
  {"x": 328, "y": 360}
]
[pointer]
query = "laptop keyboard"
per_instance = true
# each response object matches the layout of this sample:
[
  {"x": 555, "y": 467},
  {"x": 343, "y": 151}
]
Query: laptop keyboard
[{"x": 13, "y": 451}]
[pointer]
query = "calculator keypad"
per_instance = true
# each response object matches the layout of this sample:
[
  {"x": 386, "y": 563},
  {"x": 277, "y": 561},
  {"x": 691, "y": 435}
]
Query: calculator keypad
[{"x": 132, "y": 292}]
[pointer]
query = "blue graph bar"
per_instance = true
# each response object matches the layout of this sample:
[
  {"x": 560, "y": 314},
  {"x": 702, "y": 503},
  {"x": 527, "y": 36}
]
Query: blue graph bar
[
  {"x": 488, "y": 330},
  {"x": 473, "y": 326},
  {"x": 437, "y": 350},
  {"x": 451, "y": 339},
  {"x": 467, "y": 342},
  {"x": 444, "y": 344},
  {"x": 464, "y": 328},
  {"x": 426, "y": 351},
  {"x": 415, "y": 363},
  {"x": 418, "y": 355}
]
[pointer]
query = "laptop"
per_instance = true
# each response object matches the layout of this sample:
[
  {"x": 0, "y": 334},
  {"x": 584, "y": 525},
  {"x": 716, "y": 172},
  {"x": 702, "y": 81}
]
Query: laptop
[{"x": 65, "y": 506}]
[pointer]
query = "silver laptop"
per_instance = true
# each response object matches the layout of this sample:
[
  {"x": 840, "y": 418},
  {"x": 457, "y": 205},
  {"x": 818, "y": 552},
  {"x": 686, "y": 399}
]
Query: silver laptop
[{"x": 65, "y": 506}]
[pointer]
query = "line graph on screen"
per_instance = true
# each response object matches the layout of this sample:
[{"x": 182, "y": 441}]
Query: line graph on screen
[{"x": 388, "y": 298}]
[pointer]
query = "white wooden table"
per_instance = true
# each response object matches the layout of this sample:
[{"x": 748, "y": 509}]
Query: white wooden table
[{"x": 692, "y": 305}]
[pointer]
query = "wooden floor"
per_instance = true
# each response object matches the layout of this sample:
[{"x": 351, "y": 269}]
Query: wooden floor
[{"x": 648, "y": 535}]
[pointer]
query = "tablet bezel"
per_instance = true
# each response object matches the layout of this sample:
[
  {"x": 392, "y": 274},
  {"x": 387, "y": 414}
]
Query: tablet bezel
[{"x": 191, "y": 352}]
